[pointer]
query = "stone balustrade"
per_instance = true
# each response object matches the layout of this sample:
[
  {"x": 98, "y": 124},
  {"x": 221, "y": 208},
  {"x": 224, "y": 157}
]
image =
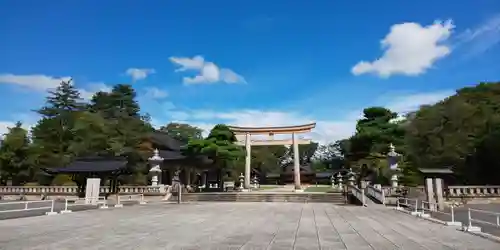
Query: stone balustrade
[
  {"x": 473, "y": 191},
  {"x": 62, "y": 190},
  {"x": 395, "y": 191},
  {"x": 357, "y": 193},
  {"x": 376, "y": 193},
  {"x": 454, "y": 191}
]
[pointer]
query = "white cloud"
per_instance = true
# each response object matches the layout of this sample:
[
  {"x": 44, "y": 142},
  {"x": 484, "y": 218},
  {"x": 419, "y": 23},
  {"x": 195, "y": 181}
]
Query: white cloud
[
  {"x": 155, "y": 93},
  {"x": 481, "y": 38},
  {"x": 89, "y": 91},
  {"x": 139, "y": 74},
  {"x": 4, "y": 127},
  {"x": 36, "y": 82},
  {"x": 327, "y": 130},
  {"x": 207, "y": 72},
  {"x": 45, "y": 82},
  {"x": 27, "y": 120},
  {"x": 408, "y": 103},
  {"x": 409, "y": 49}
]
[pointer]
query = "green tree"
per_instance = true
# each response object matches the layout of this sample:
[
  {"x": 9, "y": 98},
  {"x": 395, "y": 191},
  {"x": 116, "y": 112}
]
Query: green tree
[
  {"x": 369, "y": 145},
  {"x": 91, "y": 136},
  {"x": 220, "y": 147},
  {"x": 267, "y": 159},
  {"x": 329, "y": 157},
  {"x": 126, "y": 130},
  {"x": 53, "y": 134},
  {"x": 459, "y": 132},
  {"x": 15, "y": 156},
  {"x": 182, "y": 132}
]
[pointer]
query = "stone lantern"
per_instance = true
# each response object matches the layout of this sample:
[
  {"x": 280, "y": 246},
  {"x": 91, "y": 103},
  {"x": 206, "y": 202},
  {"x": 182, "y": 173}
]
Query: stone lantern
[
  {"x": 242, "y": 180},
  {"x": 255, "y": 181},
  {"x": 392, "y": 159},
  {"x": 339, "y": 181},
  {"x": 352, "y": 177},
  {"x": 155, "y": 161}
]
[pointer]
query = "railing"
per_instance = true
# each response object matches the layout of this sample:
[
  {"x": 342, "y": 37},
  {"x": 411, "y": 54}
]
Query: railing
[
  {"x": 395, "y": 191},
  {"x": 70, "y": 190},
  {"x": 408, "y": 204},
  {"x": 483, "y": 214},
  {"x": 21, "y": 206},
  {"x": 376, "y": 193},
  {"x": 73, "y": 202},
  {"x": 473, "y": 191},
  {"x": 426, "y": 209},
  {"x": 133, "y": 197},
  {"x": 433, "y": 208},
  {"x": 358, "y": 193}
]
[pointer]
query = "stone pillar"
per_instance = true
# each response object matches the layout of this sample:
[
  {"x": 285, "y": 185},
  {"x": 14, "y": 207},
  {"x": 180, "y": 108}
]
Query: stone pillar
[
  {"x": 248, "y": 158},
  {"x": 92, "y": 190},
  {"x": 188, "y": 176},
  {"x": 438, "y": 189},
  {"x": 429, "y": 191},
  {"x": 204, "y": 179},
  {"x": 296, "y": 163}
]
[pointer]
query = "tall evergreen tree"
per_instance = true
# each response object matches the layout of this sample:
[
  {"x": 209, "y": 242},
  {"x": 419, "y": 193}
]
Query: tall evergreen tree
[
  {"x": 53, "y": 134},
  {"x": 127, "y": 132}
]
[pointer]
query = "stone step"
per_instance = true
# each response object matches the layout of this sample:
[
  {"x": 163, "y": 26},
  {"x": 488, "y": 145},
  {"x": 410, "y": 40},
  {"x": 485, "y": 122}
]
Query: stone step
[{"x": 336, "y": 198}]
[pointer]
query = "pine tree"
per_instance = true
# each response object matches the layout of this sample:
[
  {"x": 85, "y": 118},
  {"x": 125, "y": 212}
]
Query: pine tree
[
  {"x": 128, "y": 132},
  {"x": 62, "y": 102},
  {"x": 53, "y": 134}
]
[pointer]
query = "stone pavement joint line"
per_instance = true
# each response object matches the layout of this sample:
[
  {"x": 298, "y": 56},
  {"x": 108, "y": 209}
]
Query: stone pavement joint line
[{"x": 259, "y": 226}]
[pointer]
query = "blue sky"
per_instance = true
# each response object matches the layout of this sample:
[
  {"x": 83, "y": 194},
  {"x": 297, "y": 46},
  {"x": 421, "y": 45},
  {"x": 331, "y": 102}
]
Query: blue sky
[{"x": 249, "y": 63}]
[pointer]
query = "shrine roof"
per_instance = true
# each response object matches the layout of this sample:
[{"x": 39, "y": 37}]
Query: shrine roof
[
  {"x": 90, "y": 165},
  {"x": 288, "y": 168},
  {"x": 171, "y": 155},
  {"x": 436, "y": 170},
  {"x": 324, "y": 174},
  {"x": 165, "y": 141}
]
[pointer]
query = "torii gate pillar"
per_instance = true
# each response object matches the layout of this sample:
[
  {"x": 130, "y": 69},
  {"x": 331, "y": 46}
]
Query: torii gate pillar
[{"x": 248, "y": 159}]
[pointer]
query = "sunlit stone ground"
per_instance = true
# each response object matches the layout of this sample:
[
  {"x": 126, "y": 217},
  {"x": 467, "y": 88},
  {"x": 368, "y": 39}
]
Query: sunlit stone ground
[{"x": 234, "y": 226}]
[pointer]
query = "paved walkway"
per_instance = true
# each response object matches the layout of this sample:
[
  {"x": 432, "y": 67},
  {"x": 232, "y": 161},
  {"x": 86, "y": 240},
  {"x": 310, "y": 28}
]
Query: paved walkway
[
  {"x": 462, "y": 216},
  {"x": 235, "y": 226}
]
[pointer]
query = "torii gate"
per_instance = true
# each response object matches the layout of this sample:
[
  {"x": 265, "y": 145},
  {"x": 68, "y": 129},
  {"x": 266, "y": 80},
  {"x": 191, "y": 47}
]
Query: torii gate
[{"x": 271, "y": 131}]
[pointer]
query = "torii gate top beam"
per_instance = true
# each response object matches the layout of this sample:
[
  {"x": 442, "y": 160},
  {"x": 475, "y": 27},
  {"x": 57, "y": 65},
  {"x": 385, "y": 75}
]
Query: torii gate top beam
[{"x": 273, "y": 130}]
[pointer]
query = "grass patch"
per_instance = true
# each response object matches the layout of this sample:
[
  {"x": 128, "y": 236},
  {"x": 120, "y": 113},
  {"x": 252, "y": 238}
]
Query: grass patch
[
  {"x": 322, "y": 189},
  {"x": 264, "y": 187}
]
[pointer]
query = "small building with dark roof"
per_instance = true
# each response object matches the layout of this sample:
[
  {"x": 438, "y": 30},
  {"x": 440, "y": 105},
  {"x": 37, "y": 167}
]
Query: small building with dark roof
[
  {"x": 110, "y": 168},
  {"x": 93, "y": 167},
  {"x": 446, "y": 173}
]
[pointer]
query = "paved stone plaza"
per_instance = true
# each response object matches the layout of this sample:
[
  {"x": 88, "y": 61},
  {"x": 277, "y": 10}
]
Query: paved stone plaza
[{"x": 235, "y": 226}]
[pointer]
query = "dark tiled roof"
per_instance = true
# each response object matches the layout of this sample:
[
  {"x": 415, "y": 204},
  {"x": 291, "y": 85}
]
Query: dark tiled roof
[
  {"x": 436, "y": 170},
  {"x": 323, "y": 175},
  {"x": 171, "y": 155},
  {"x": 87, "y": 165},
  {"x": 163, "y": 141},
  {"x": 288, "y": 168}
]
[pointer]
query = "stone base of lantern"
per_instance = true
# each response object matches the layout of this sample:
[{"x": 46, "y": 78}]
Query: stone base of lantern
[{"x": 298, "y": 190}]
